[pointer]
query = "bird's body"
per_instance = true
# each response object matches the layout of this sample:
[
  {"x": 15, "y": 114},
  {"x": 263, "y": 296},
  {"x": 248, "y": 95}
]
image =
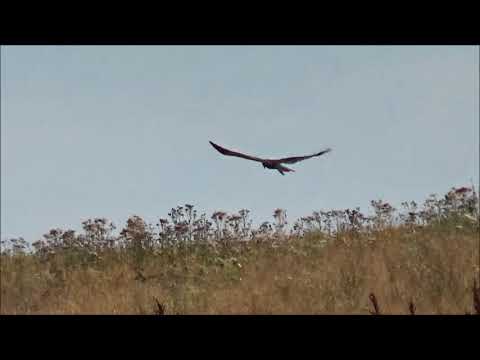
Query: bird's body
[{"x": 273, "y": 164}]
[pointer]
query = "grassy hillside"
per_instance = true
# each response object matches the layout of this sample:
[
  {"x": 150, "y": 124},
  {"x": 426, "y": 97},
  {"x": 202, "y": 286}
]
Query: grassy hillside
[{"x": 421, "y": 259}]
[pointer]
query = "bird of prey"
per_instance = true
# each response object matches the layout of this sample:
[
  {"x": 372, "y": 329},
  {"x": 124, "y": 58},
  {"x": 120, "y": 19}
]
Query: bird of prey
[{"x": 274, "y": 164}]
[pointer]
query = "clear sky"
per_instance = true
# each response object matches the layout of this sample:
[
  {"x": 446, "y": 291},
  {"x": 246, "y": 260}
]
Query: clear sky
[{"x": 113, "y": 131}]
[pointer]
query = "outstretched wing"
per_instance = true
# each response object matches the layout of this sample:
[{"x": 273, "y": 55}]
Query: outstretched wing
[
  {"x": 227, "y": 152},
  {"x": 294, "y": 159}
]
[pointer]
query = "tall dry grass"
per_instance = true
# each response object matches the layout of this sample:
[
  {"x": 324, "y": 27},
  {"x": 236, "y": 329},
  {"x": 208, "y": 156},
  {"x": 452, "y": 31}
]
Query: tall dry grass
[{"x": 357, "y": 267}]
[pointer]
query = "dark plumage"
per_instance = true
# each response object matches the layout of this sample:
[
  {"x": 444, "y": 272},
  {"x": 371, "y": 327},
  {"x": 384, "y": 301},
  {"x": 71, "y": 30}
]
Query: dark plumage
[{"x": 275, "y": 164}]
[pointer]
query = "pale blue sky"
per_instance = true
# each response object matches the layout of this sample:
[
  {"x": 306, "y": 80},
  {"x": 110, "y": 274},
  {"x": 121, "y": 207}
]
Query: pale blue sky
[{"x": 113, "y": 131}]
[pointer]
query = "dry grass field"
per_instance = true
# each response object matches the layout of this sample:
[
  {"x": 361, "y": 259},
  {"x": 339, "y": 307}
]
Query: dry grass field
[{"x": 422, "y": 260}]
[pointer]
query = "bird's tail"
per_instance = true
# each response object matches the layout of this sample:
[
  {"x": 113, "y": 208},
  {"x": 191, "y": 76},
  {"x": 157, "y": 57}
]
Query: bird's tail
[{"x": 281, "y": 169}]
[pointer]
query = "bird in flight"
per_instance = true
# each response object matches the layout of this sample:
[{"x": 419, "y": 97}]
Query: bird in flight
[{"x": 274, "y": 164}]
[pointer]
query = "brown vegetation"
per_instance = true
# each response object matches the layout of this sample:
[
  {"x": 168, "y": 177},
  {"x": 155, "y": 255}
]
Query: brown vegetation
[{"x": 337, "y": 262}]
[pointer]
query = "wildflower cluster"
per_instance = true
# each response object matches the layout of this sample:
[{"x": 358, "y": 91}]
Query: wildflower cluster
[{"x": 185, "y": 225}]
